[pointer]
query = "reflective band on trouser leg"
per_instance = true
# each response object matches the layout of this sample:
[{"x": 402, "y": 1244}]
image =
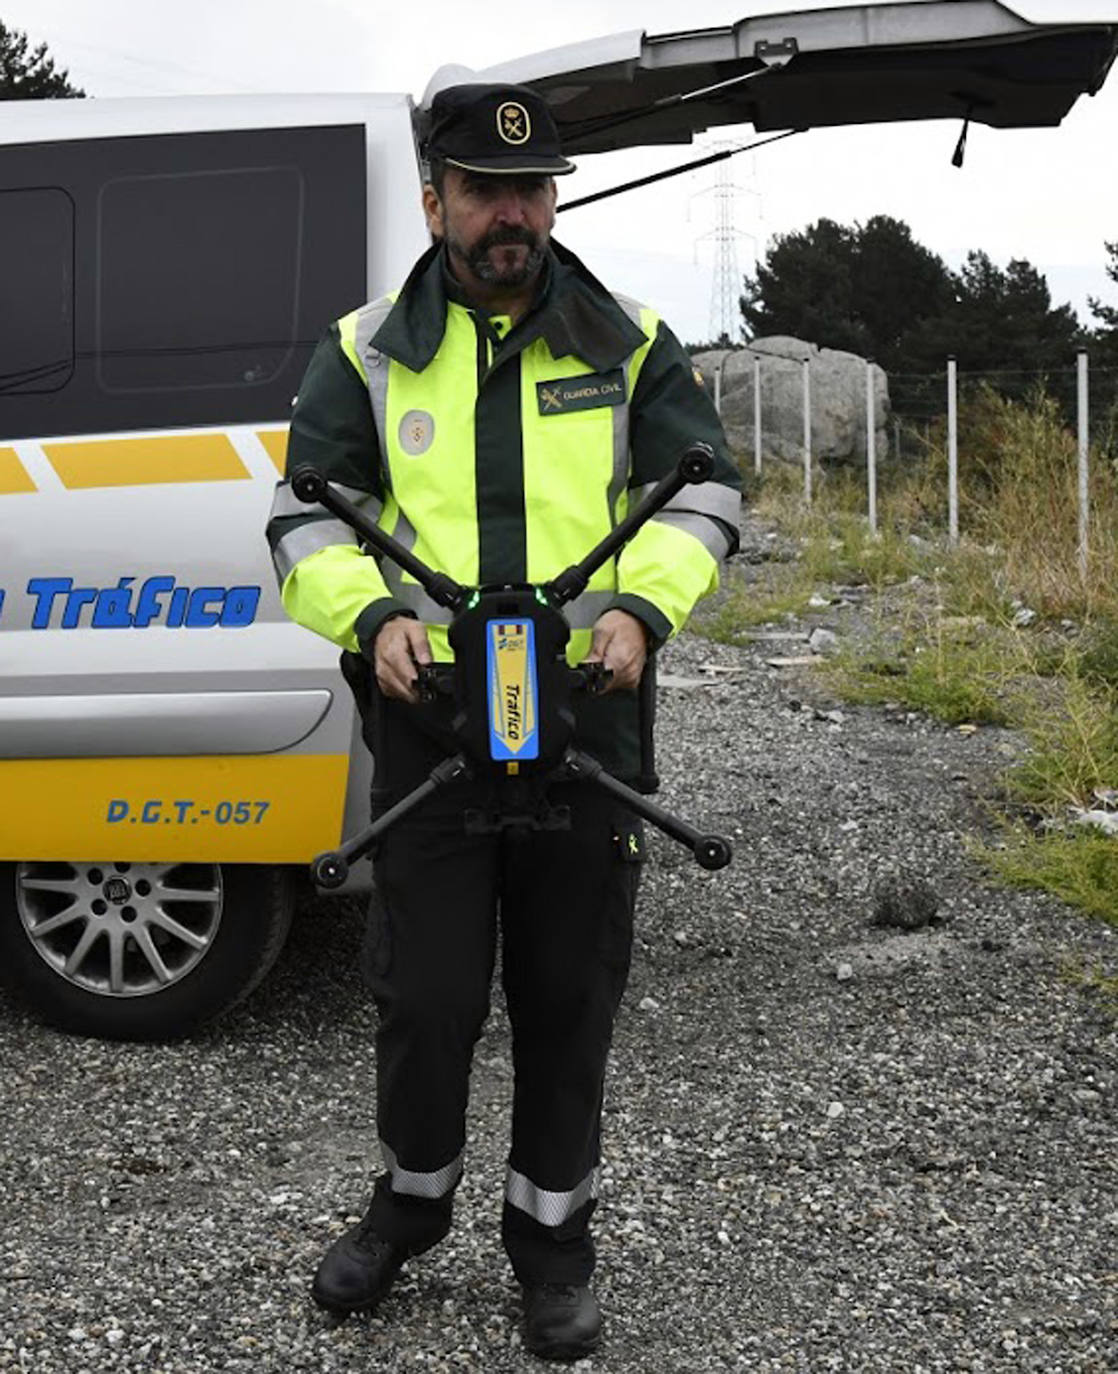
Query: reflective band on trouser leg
[
  {"x": 433, "y": 1185},
  {"x": 548, "y": 1208}
]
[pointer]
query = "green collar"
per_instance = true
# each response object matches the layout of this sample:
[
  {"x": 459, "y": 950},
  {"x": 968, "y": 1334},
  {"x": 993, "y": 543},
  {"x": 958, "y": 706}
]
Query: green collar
[{"x": 574, "y": 314}]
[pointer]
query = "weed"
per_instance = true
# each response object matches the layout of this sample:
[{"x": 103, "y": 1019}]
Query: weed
[
  {"x": 1018, "y": 492},
  {"x": 955, "y": 672},
  {"x": 781, "y": 592},
  {"x": 1072, "y": 731},
  {"x": 1099, "y": 659},
  {"x": 1096, "y": 980},
  {"x": 1080, "y": 868}
]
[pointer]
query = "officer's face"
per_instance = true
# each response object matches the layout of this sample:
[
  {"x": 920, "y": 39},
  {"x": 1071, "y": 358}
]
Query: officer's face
[{"x": 496, "y": 227}]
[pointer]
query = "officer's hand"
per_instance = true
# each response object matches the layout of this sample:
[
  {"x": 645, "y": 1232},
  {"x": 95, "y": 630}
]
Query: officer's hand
[
  {"x": 400, "y": 646},
  {"x": 621, "y": 643}
]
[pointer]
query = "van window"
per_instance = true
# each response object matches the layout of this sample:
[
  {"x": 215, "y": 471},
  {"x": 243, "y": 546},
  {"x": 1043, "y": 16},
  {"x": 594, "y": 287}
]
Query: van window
[
  {"x": 173, "y": 280},
  {"x": 36, "y": 289},
  {"x": 199, "y": 278}
]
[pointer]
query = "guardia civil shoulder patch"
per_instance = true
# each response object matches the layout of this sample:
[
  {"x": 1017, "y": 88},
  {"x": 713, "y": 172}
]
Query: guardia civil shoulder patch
[{"x": 581, "y": 393}]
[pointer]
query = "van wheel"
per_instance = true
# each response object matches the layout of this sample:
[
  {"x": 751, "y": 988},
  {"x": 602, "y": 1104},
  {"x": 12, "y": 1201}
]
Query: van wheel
[{"x": 139, "y": 951}]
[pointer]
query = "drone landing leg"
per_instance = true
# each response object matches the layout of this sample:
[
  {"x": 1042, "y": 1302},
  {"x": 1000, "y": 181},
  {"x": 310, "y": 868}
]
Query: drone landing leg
[
  {"x": 331, "y": 870},
  {"x": 710, "y": 851}
]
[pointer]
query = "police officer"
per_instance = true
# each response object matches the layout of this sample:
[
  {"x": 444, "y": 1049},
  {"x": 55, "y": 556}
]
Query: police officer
[{"x": 497, "y": 415}]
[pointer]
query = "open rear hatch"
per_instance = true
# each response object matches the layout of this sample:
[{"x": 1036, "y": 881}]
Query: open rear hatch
[{"x": 800, "y": 69}]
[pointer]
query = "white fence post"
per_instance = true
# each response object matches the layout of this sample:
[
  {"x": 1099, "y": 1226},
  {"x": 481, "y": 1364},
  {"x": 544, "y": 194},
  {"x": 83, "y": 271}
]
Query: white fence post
[
  {"x": 871, "y": 447},
  {"x": 952, "y": 451},
  {"x": 807, "y": 430},
  {"x": 757, "y": 413},
  {"x": 1084, "y": 460}
]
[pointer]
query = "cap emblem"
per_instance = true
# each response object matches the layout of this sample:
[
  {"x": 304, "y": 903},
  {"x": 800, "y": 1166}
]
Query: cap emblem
[{"x": 513, "y": 123}]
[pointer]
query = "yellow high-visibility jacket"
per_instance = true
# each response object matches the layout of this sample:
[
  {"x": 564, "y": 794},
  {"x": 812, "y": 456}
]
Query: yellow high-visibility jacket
[{"x": 501, "y": 454}]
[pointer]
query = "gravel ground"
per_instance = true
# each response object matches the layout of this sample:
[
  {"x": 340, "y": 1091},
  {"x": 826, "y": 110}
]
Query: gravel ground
[{"x": 831, "y": 1144}]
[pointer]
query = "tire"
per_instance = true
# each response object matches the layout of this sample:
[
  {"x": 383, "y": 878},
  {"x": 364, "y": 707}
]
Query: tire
[{"x": 139, "y": 951}]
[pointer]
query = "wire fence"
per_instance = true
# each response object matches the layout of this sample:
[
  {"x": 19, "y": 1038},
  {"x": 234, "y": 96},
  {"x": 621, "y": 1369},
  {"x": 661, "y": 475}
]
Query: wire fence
[
  {"x": 1088, "y": 398},
  {"x": 924, "y": 415},
  {"x": 919, "y": 401}
]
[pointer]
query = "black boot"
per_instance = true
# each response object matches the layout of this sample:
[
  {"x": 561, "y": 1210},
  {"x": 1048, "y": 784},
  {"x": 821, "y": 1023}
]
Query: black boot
[
  {"x": 357, "y": 1270},
  {"x": 561, "y": 1321}
]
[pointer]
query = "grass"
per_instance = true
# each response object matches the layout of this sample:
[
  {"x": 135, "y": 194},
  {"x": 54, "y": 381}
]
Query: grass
[
  {"x": 832, "y": 546},
  {"x": 1099, "y": 660},
  {"x": 1081, "y": 868},
  {"x": 1100, "y": 983},
  {"x": 1072, "y": 732},
  {"x": 740, "y": 609},
  {"x": 1073, "y": 740},
  {"x": 947, "y": 671},
  {"x": 947, "y": 636},
  {"x": 1018, "y": 483}
]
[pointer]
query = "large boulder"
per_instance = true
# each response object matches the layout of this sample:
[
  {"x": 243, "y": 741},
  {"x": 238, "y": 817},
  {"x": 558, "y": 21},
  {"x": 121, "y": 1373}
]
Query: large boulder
[{"x": 838, "y": 399}]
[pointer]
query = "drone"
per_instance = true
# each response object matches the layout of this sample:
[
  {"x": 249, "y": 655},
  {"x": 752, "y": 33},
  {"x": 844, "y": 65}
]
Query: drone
[{"x": 512, "y": 689}]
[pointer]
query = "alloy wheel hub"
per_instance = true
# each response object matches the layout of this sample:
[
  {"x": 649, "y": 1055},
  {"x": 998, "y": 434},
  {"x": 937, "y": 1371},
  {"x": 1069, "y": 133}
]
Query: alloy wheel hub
[{"x": 120, "y": 929}]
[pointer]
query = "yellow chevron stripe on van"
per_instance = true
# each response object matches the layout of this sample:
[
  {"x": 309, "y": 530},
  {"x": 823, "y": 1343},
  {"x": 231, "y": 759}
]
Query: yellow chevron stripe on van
[
  {"x": 143, "y": 462},
  {"x": 14, "y": 477},
  {"x": 272, "y": 808},
  {"x": 275, "y": 441}
]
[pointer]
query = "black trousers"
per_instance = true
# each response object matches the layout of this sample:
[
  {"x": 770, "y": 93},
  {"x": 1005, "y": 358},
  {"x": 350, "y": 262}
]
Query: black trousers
[{"x": 562, "y": 901}]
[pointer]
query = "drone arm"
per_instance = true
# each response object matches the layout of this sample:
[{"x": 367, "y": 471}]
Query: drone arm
[
  {"x": 696, "y": 465},
  {"x": 710, "y": 851},
  {"x": 330, "y": 870},
  {"x": 310, "y": 486}
]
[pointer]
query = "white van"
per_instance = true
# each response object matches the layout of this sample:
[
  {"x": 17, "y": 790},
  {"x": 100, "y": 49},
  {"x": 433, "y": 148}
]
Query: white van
[{"x": 173, "y": 751}]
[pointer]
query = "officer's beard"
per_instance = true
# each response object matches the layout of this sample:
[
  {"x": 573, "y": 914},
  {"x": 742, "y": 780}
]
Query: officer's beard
[{"x": 502, "y": 274}]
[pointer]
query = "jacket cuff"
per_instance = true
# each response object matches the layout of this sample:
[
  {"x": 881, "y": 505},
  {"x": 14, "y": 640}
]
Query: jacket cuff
[
  {"x": 368, "y": 623},
  {"x": 653, "y": 619}
]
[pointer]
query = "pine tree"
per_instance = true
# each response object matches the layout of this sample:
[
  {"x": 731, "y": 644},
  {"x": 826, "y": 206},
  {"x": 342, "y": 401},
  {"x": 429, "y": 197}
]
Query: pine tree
[
  {"x": 28, "y": 73},
  {"x": 873, "y": 289},
  {"x": 1103, "y": 345},
  {"x": 865, "y": 288},
  {"x": 1108, "y": 314}
]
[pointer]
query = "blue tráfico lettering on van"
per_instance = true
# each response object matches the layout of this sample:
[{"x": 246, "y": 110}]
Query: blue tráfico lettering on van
[{"x": 130, "y": 605}]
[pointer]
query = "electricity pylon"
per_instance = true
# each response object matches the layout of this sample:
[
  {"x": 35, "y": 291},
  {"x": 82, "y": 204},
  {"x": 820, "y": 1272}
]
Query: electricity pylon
[{"x": 725, "y": 313}]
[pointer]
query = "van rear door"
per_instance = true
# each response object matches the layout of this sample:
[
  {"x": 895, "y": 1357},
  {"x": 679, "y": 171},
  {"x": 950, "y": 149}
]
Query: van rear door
[{"x": 797, "y": 69}]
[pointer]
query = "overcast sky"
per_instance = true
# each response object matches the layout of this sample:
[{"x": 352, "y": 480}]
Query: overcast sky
[{"x": 1048, "y": 195}]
